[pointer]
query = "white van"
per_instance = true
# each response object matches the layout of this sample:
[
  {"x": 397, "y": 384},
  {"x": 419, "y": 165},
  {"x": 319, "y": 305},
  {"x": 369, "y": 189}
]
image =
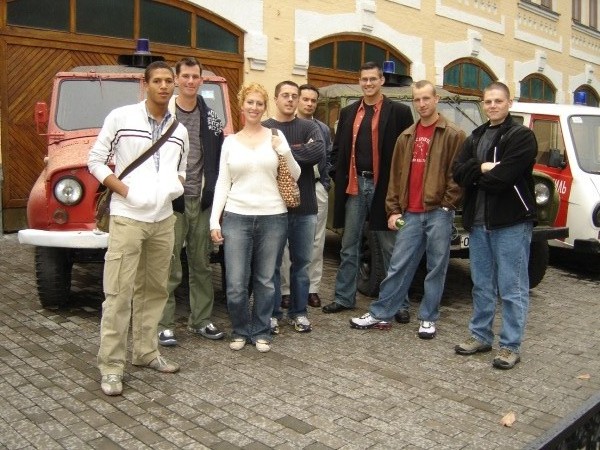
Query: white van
[{"x": 568, "y": 139}]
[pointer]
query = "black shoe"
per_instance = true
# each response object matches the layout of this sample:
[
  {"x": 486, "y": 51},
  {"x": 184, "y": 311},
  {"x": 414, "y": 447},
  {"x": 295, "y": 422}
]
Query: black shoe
[
  {"x": 334, "y": 307},
  {"x": 286, "y": 302},
  {"x": 402, "y": 316},
  {"x": 314, "y": 300}
]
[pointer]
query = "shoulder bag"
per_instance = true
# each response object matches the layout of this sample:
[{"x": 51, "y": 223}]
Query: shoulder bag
[
  {"x": 102, "y": 207},
  {"x": 288, "y": 188}
]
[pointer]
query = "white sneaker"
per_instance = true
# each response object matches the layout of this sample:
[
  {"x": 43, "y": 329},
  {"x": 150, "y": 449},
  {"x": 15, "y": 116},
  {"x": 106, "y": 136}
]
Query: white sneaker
[
  {"x": 426, "y": 329},
  {"x": 367, "y": 321},
  {"x": 301, "y": 324},
  {"x": 263, "y": 346},
  {"x": 237, "y": 344}
]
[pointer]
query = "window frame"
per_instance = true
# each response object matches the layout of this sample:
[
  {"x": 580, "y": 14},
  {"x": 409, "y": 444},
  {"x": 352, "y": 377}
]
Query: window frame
[
  {"x": 460, "y": 89},
  {"x": 326, "y": 75}
]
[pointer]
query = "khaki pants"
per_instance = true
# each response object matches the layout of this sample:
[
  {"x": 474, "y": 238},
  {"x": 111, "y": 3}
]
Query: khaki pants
[{"x": 136, "y": 270}]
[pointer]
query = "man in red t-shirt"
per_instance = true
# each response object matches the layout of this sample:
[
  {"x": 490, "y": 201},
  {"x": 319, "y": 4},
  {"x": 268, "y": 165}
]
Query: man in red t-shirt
[{"x": 422, "y": 192}]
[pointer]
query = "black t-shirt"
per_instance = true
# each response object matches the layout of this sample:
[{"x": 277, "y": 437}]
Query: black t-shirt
[{"x": 364, "y": 142}]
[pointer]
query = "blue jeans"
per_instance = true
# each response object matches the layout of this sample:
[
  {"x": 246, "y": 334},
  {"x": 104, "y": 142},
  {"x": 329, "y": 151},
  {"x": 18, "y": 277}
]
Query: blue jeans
[
  {"x": 499, "y": 268},
  {"x": 358, "y": 208},
  {"x": 252, "y": 245},
  {"x": 301, "y": 236},
  {"x": 426, "y": 233}
]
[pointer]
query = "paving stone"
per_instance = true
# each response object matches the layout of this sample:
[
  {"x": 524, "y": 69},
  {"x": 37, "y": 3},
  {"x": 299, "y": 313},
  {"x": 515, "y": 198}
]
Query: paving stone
[{"x": 335, "y": 388}]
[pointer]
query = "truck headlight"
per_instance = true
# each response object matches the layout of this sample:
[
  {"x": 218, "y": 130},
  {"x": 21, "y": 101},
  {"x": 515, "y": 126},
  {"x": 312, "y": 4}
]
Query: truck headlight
[
  {"x": 68, "y": 191},
  {"x": 542, "y": 193}
]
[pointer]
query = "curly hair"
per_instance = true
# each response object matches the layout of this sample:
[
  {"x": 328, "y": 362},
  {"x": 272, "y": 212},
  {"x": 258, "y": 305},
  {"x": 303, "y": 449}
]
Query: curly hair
[{"x": 250, "y": 88}]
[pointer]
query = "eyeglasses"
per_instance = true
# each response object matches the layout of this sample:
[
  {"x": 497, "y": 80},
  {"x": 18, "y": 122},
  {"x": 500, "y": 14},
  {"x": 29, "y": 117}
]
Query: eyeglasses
[
  {"x": 370, "y": 80},
  {"x": 287, "y": 95}
]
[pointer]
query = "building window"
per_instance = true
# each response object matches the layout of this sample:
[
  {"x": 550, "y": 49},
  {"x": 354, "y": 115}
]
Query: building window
[
  {"x": 546, "y": 4},
  {"x": 211, "y": 36},
  {"x": 46, "y": 14},
  {"x": 576, "y": 11},
  {"x": 594, "y": 14},
  {"x": 165, "y": 23},
  {"x": 105, "y": 17},
  {"x": 467, "y": 76},
  {"x": 588, "y": 93},
  {"x": 159, "y": 22},
  {"x": 347, "y": 55},
  {"x": 537, "y": 89}
]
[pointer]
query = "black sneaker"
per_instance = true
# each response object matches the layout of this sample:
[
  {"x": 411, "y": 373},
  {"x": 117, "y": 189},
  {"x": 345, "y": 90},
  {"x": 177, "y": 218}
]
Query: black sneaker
[
  {"x": 402, "y": 316},
  {"x": 166, "y": 338},
  {"x": 210, "y": 331}
]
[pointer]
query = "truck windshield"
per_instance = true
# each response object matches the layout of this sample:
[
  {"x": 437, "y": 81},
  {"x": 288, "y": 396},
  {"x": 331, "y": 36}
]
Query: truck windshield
[
  {"x": 586, "y": 140},
  {"x": 83, "y": 104},
  {"x": 467, "y": 114}
]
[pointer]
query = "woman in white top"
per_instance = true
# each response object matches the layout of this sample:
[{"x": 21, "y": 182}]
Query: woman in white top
[{"x": 254, "y": 219}]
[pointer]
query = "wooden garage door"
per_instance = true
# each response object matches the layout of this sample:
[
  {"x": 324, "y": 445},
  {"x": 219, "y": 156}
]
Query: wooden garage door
[{"x": 27, "y": 69}]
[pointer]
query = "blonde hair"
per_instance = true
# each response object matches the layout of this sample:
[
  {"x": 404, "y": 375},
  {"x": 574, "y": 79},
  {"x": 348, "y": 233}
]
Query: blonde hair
[{"x": 250, "y": 88}]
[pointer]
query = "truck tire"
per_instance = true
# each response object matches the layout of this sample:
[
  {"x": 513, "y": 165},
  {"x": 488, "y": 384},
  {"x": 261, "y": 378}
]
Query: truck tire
[
  {"x": 53, "y": 268},
  {"x": 370, "y": 267},
  {"x": 539, "y": 254}
]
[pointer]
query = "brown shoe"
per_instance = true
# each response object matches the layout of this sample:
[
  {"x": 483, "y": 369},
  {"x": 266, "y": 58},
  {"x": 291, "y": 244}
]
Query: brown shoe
[
  {"x": 286, "y": 302},
  {"x": 314, "y": 300}
]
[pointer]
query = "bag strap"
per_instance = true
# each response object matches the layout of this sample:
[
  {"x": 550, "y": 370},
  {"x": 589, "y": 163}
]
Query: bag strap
[{"x": 153, "y": 148}]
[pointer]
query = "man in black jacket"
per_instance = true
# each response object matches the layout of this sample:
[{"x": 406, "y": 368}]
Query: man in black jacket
[
  {"x": 495, "y": 169},
  {"x": 192, "y": 209},
  {"x": 361, "y": 157}
]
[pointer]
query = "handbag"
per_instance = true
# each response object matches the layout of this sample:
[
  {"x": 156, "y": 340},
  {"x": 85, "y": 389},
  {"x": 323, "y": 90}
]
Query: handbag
[
  {"x": 288, "y": 188},
  {"x": 102, "y": 206}
]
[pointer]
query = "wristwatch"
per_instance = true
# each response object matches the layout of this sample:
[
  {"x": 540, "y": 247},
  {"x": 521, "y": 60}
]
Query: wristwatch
[{"x": 445, "y": 208}]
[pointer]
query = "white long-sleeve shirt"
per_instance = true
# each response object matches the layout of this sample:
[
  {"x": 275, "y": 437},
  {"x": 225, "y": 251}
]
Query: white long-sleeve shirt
[{"x": 247, "y": 179}]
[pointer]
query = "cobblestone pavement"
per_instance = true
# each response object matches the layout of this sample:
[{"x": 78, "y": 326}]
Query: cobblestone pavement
[{"x": 333, "y": 388}]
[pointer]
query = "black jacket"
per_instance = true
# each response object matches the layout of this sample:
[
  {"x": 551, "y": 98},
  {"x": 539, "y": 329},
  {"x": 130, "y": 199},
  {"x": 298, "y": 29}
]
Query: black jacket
[
  {"x": 509, "y": 187},
  {"x": 212, "y": 140},
  {"x": 393, "y": 120}
]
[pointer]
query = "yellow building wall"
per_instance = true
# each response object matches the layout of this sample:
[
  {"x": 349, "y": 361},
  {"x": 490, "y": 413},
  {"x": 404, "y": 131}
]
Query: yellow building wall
[{"x": 513, "y": 38}]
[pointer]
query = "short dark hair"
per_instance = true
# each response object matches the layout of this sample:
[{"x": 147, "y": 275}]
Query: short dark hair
[
  {"x": 285, "y": 83},
  {"x": 154, "y": 66},
  {"x": 189, "y": 62},
  {"x": 499, "y": 86},
  {"x": 423, "y": 83},
  {"x": 371, "y": 65},
  {"x": 309, "y": 87}
]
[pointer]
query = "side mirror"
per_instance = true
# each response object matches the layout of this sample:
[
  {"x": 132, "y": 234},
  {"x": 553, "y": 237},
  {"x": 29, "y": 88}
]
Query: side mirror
[
  {"x": 555, "y": 159},
  {"x": 40, "y": 115}
]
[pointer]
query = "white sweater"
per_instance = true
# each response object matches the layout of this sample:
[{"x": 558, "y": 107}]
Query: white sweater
[
  {"x": 127, "y": 134},
  {"x": 247, "y": 182}
]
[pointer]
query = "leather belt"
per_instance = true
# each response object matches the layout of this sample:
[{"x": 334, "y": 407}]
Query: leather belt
[{"x": 365, "y": 174}]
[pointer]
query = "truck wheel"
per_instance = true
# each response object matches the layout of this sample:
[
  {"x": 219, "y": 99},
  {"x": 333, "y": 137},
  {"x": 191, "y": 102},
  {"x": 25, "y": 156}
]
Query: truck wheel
[
  {"x": 539, "y": 254},
  {"x": 53, "y": 273},
  {"x": 370, "y": 270}
]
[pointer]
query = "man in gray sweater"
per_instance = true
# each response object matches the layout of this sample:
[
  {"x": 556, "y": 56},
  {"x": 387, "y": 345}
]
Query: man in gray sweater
[{"x": 308, "y": 148}]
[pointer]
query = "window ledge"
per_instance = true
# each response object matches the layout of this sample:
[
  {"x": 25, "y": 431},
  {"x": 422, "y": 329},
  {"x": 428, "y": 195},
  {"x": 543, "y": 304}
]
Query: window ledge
[
  {"x": 527, "y": 5},
  {"x": 586, "y": 30}
]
